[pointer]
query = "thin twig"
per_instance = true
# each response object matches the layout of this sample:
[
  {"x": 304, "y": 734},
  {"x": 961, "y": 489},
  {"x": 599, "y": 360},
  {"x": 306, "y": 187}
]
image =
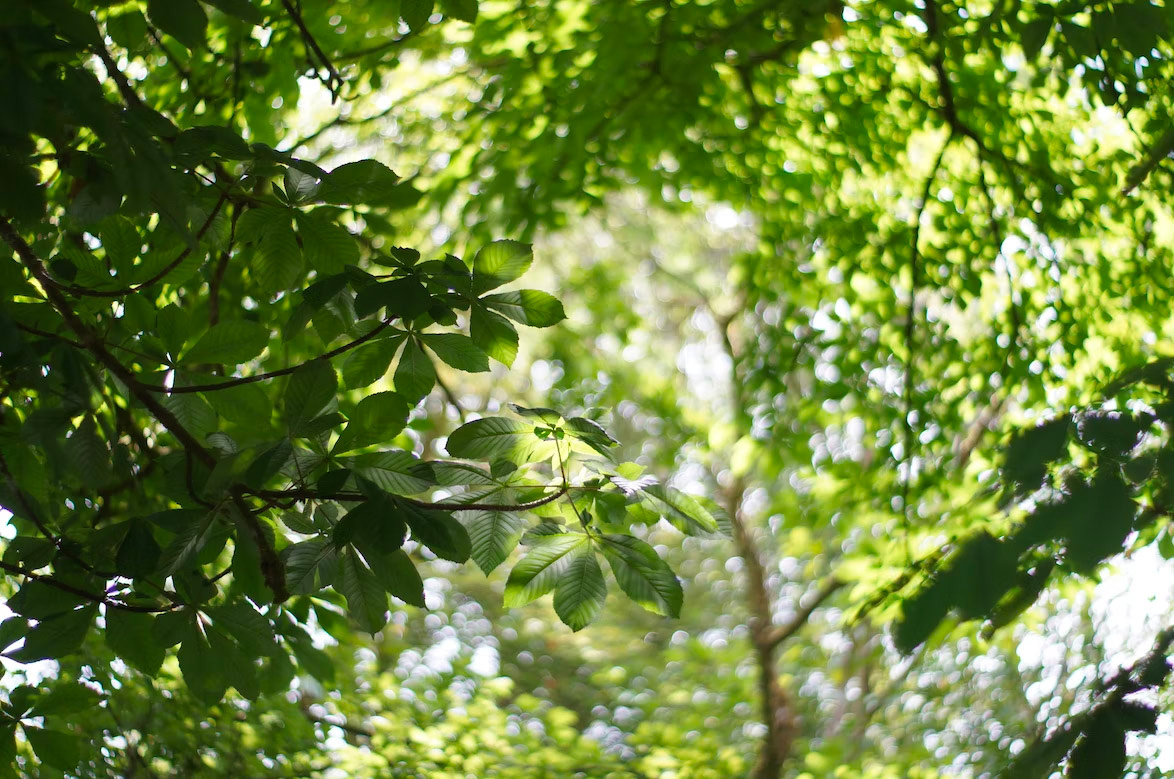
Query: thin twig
[{"x": 333, "y": 79}]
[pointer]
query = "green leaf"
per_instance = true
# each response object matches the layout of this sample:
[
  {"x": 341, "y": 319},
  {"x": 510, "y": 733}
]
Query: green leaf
[
  {"x": 527, "y": 306},
  {"x": 245, "y": 624},
  {"x": 539, "y": 571},
  {"x": 581, "y": 591},
  {"x": 304, "y": 566},
  {"x": 494, "y": 334},
  {"x": 365, "y": 182},
  {"x": 1030, "y": 452},
  {"x": 398, "y": 576},
  {"x": 57, "y": 636},
  {"x": 203, "y": 667},
  {"x": 277, "y": 260},
  {"x": 365, "y": 595},
  {"x": 592, "y": 434},
  {"x": 66, "y": 698},
  {"x": 244, "y": 404},
  {"x": 1035, "y": 34},
  {"x": 138, "y": 555},
  {"x": 642, "y": 575},
  {"x": 457, "y": 350},
  {"x": 310, "y": 390},
  {"x": 201, "y": 143},
  {"x": 494, "y": 438},
  {"x": 241, "y": 9},
  {"x": 54, "y": 748},
  {"x": 193, "y": 412},
  {"x": 500, "y": 263},
  {"x": 328, "y": 247},
  {"x": 415, "y": 13},
  {"x": 370, "y": 362},
  {"x": 414, "y": 375},
  {"x": 465, "y": 10},
  {"x": 493, "y": 535},
  {"x": 129, "y": 635},
  {"x": 1100, "y": 752},
  {"x": 186, "y": 544},
  {"x": 394, "y": 471},
  {"x": 1099, "y": 520},
  {"x": 921, "y": 613},
  {"x": 677, "y": 508},
  {"x": 377, "y": 419},
  {"x": 228, "y": 343},
  {"x": 444, "y": 536},
  {"x": 405, "y": 298},
  {"x": 183, "y": 20}
]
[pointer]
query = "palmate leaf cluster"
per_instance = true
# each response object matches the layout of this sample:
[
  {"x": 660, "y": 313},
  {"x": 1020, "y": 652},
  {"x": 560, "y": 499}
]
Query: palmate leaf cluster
[{"x": 191, "y": 322}]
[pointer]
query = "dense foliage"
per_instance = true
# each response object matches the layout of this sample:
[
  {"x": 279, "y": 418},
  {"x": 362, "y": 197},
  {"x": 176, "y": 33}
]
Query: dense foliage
[{"x": 239, "y": 413}]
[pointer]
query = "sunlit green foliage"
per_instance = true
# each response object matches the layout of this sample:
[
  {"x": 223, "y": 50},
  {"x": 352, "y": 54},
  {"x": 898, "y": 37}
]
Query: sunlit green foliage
[{"x": 908, "y": 362}]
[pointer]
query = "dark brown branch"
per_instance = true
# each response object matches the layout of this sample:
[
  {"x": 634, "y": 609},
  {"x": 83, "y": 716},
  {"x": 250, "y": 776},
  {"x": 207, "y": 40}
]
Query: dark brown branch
[
  {"x": 75, "y": 289},
  {"x": 309, "y": 494},
  {"x": 781, "y": 633},
  {"x": 271, "y": 374},
  {"x": 271, "y": 564},
  {"x": 911, "y": 319},
  {"x": 333, "y": 79},
  {"x": 16, "y": 570}
]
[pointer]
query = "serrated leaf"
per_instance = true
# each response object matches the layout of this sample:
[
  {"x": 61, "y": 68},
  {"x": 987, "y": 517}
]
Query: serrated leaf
[
  {"x": 642, "y": 575},
  {"x": 186, "y": 543},
  {"x": 365, "y": 596},
  {"x": 494, "y": 438},
  {"x": 310, "y": 390},
  {"x": 677, "y": 508},
  {"x": 370, "y": 362},
  {"x": 581, "y": 590},
  {"x": 393, "y": 471},
  {"x": 444, "y": 536},
  {"x": 365, "y": 182},
  {"x": 527, "y": 306},
  {"x": 129, "y": 635},
  {"x": 458, "y": 351},
  {"x": 414, "y": 375},
  {"x": 57, "y": 636},
  {"x": 377, "y": 419},
  {"x": 405, "y": 298},
  {"x": 245, "y": 624},
  {"x": 202, "y": 666},
  {"x": 303, "y": 561},
  {"x": 538, "y": 572},
  {"x": 398, "y": 576},
  {"x": 494, "y": 335},
  {"x": 277, "y": 260},
  {"x": 245, "y": 404},
  {"x": 500, "y": 263},
  {"x": 192, "y": 412},
  {"x": 228, "y": 343},
  {"x": 493, "y": 535},
  {"x": 328, "y": 247}
]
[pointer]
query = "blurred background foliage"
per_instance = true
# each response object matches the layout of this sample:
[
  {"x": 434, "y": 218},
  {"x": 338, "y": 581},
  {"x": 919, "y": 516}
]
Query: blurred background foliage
[{"x": 828, "y": 265}]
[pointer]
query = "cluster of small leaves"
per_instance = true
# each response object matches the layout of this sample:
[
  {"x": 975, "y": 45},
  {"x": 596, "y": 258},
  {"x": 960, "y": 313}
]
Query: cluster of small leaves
[
  {"x": 188, "y": 318},
  {"x": 1092, "y": 744}
]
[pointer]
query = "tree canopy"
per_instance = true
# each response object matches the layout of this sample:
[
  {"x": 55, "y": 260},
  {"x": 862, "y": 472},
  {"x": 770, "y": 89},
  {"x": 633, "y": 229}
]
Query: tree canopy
[{"x": 844, "y": 359}]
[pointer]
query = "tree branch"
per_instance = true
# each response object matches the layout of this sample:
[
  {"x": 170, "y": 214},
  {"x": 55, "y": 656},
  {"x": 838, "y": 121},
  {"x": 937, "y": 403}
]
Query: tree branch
[
  {"x": 16, "y": 570},
  {"x": 781, "y": 633},
  {"x": 333, "y": 79}
]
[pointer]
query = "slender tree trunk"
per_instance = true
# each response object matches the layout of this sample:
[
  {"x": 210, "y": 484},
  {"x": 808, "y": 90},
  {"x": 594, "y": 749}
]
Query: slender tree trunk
[{"x": 777, "y": 713}]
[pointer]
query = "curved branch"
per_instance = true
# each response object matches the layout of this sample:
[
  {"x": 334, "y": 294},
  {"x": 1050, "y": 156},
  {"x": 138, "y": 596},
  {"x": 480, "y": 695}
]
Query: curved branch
[
  {"x": 308, "y": 494},
  {"x": 271, "y": 374},
  {"x": 49, "y": 581},
  {"x": 80, "y": 291}
]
